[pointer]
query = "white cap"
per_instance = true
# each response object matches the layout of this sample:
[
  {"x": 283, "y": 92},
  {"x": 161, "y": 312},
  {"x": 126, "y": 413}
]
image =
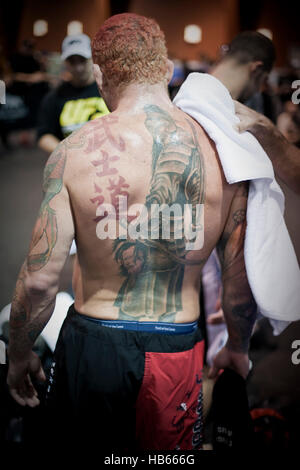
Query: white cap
[{"x": 77, "y": 44}]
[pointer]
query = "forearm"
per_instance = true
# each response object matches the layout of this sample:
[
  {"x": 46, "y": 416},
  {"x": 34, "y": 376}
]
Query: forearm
[
  {"x": 240, "y": 315},
  {"x": 48, "y": 143},
  {"x": 32, "y": 307},
  {"x": 284, "y": 155},
  {"x": 22, "y": 77},
  {"x": 239, "y": 306},
  {"x": 30, "y": 78},
  {"x": 238, "y": 303}
]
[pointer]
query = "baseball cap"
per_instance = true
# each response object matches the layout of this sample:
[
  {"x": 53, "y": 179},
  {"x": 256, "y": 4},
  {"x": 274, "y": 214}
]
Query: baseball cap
[{"x": 77, "y": 44}]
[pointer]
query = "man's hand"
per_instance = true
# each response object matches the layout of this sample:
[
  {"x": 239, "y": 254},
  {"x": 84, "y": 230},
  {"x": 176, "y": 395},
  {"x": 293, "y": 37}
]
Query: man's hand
[
  {"x": 250, "y": 118},
  {"x": 19, "y": 380},
  {"x": 226, "y": 358},
  {"x": 216, "y": 318}
]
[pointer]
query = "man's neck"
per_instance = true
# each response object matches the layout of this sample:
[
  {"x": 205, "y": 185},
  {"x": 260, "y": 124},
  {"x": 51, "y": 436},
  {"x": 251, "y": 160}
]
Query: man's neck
[
  {"x": 133, "y": 98},
  {"x": 232, "y": 76}
]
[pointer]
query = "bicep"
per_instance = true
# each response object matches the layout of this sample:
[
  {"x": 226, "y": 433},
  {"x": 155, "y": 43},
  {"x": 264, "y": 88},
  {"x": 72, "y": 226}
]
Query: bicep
[
  {"x": 54, "y": 228},
  {"x": 231, "y": 248}
]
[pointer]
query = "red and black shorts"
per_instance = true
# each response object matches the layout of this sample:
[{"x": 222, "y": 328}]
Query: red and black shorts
[{"x": 123, "y": 389}]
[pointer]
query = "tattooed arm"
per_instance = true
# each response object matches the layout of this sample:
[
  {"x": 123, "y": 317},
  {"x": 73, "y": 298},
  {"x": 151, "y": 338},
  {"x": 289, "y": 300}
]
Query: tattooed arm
[
  {"x": 37, "y": 284},
  {"x": 238, "y": 303}
]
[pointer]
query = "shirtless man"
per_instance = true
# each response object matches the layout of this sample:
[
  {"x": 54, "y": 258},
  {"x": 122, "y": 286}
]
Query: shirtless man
[{"x": 128, "y": 362}]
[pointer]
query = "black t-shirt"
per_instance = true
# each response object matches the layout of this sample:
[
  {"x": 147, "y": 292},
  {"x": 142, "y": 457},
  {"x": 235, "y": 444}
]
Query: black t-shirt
[
  {"x": 24, "y": 63},
  {"x": 67, "y": 108}
]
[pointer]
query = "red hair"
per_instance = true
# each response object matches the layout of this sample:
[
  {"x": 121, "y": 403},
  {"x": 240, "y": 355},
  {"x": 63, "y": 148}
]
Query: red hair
[{"x": 130, "y": 48}]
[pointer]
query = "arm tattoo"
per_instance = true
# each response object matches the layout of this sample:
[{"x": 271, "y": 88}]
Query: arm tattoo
[
  {"x": 240, "y": 320},
  {"x": 238, "y": 303},
  {"x": 32, "y": 308},
  {"x": 24, "y": 329},
  {"x": 21, "y": 304},
  {"x": 232, "y": 243},
  {"x": 45, "y": 232}
]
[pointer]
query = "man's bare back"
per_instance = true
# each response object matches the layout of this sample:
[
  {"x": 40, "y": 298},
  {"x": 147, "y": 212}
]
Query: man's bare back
[{"x": 157, "y": 156}]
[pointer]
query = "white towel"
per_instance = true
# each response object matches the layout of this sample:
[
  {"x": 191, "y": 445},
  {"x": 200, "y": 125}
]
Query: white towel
[{"x": 270, "y": 258}]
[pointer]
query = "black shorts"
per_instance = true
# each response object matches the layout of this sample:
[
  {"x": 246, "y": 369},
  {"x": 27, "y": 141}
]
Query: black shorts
[{"x": 126, "y": 390}]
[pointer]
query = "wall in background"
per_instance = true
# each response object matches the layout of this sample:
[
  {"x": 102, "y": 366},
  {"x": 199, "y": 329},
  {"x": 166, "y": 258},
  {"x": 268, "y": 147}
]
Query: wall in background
[
  {"x": 218, "y": 19},
  {"x": 59, "y": 14},
  {"x": 282, "y": 18}
]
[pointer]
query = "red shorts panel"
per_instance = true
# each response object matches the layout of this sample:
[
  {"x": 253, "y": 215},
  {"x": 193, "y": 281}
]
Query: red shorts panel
[{"x": 169, "y": 405}]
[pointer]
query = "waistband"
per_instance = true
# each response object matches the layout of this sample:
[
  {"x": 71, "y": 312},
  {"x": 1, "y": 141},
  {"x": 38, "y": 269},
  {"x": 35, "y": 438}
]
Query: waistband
[{"x": 148, "y": 326}]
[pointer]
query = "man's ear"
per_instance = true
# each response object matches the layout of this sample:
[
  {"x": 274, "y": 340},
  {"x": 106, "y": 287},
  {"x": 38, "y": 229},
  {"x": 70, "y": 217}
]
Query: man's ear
[
  {"x": 170, "y": 70},
  {"x": 98, "y": 76},
  {"x": 255, "y": 66}
]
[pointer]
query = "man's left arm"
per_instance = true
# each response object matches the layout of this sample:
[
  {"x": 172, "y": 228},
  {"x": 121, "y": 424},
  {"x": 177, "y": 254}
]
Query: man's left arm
[
  {"x": 239, "y": 306},
  {"x": 34, "y": 297}
]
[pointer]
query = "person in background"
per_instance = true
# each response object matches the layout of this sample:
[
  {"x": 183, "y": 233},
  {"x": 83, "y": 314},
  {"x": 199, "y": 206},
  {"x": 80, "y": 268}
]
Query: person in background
[
  {"x": 245, "y": 67},
  {"x": 26, "y": 85},
  {"x": 243, "y": 70},
  {"x": 74, "y": 102},
  {"x": 288, "y": 121},
  {"x": 284, "y": 155},
  {"x": 289, "y": 126},
  {"x": 25, "y": 65}
]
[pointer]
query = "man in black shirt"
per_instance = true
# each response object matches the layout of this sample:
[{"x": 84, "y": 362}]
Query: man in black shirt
[
  {"x": 28, "y": 86},
  {"x": 73, "y": 103}
]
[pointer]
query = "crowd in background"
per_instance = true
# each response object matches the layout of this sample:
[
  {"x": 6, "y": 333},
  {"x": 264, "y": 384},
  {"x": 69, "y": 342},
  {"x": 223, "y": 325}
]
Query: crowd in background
[
  {"x": 30, "y": 74},
  {"x": 274, "y": 100}
]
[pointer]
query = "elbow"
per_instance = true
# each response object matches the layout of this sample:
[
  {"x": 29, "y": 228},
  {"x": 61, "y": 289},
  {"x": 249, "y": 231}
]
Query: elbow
[
  {"x": 38, "y": 286},
  {"x": 243, "y": 308},
  {"x": 239, "y": 302}
]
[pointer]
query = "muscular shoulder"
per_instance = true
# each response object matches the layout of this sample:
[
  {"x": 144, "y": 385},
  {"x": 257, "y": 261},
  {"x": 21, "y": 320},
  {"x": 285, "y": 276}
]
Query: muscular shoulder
[
  {"x": 89, "y": 146},
  {"x": 60, "y": 159},
  {"x": 55, "y": 166}
]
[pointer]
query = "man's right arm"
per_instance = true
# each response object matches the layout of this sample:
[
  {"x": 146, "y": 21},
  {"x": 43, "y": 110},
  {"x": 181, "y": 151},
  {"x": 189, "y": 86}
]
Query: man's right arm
[
  {"x": 284, "y": 155},
  {"x": 238, "y": 304}
]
